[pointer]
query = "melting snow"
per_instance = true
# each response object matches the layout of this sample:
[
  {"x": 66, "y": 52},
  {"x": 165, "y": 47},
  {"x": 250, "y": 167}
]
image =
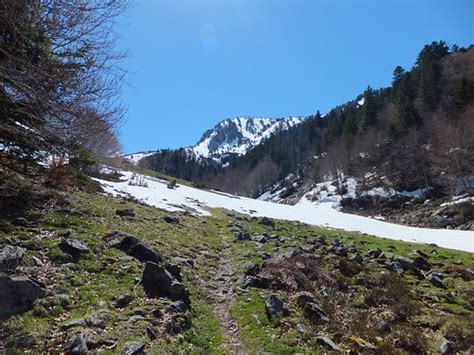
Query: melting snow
[{"x": 319, "y": 214}]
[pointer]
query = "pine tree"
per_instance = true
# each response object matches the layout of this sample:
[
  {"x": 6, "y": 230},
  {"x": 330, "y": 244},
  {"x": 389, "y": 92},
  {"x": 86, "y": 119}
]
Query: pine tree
[{"x": 369, "y": 109}]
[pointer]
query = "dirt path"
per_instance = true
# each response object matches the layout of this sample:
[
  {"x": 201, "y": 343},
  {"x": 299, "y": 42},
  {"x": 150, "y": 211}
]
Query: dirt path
[{"x": 222, "y": 289}]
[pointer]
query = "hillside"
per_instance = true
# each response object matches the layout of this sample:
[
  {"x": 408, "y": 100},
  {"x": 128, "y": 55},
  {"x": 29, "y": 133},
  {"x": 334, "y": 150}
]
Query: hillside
[{"x": 247, "y": 284}]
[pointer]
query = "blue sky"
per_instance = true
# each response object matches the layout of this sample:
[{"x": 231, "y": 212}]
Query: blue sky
[{"x": 195, "y": 63}]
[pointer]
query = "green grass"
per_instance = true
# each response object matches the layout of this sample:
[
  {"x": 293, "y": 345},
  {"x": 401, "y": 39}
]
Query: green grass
[{"x": 106, "y": 273}]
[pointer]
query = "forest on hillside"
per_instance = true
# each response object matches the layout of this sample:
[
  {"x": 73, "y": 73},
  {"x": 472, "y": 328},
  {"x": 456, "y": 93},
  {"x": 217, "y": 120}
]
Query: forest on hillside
[{"x": 417, "y": 133}]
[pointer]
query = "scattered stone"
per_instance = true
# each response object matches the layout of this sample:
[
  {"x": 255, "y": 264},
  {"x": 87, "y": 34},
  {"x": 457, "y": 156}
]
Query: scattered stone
[
  {"x": 25, "y": 341},
  {"x": 123, "y": 300},
  {"x": 159, "y": 282},
  {"x": 251, "y": 268},
  {"x": 436, "y": 281},
  {"x": 74, "y": 247},
  {"x": 446, "y": 346},
  {"x": 134, "y": 247},
  {"x": 261, "y": 239},
  {"x": 240, "y": 236},
  {"x": 126, "y": 212},
  {"x": 174, "y": 270},
  {"x": 77, "y": 345},
  {"x": 395, "y": 266},
  {"x": 275, "y": 307},
  {"x": 438, "y": 221},
  {"x": 267, "y": 222},
  {"x": 406, "y": 263},
  {"x": 178, "y": 307},
  {"x": 357, "y": 258},
  {"x": 20, "y": 222},
  {"x": 17, "y": 294},
  {"x": 98, "y": 319},
  {"x": 171, "y": 219},
  {"x": 314, "y": 312},
  {"x": 246, "y": 281},
  {"x": 375, "y": 253},
  {"x": 327, "y": 343},
  {"x": 10, "y": 257},
  {"x": 151, "y": 333},
  {"x": 134, "y": 349},
  {"x": 304, "y": 297},
  {"x": 383, "y": 327},
  {"x": 74, "y": 323}
]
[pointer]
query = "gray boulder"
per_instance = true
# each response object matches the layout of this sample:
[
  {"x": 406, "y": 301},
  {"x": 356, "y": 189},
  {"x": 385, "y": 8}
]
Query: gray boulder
[
  {"x": 315, "y": 313},
  {"x": 267, "y": 222},
  {"x": 126, "y": 212},
  {"x": 77, "y": 345},
  {"x": 251, "y": 268},
  {"x": 275, "y": 307},
  {"x": 134, "y": 349},
  {"x": 303, "y": 298},
  {"x": 171, "y": 219},
  {"x": 133, "y": 246},
  {"x": 436, "y": 281},
  {"x": 10, "y": 257},
  {"x": 74, "y": 247},
  {"x": 17, "y": 294},
  {"x": 159, "y": 282}
]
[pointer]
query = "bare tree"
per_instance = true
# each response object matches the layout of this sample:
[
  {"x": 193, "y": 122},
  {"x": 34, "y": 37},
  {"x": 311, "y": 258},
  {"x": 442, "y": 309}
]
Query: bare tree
[{"x": 56, "y": 60}]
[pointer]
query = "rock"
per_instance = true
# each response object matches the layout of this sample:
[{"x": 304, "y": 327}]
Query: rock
[
  {"x": 436, "y": 281},
  {"x": 17, "y": 294},
  {"x": 341, "y": 251},
  {"x": 357, "y": 258},
  {"x": 74, "y": 247},
  {"x": 134, "y": 349},
  {"x": 98, "y": 319},
  {"x": 395, "y": 266},
  {"x": 77, "y": 345},
  {"x": 126, "y": 212},
  {"x": 261, "y": 239},
  {"x": 275, "y": 307},
  {"x": 151, "y": 333},
  {"x": 375, "y": 253},
  {"x": 263, "y": 281},
  {"x": 304, "y": 297},
  {"x": 406, "y": 263},
  {"x": 10, "y": 257},
  {"x": 240, "y": 236},
  {"x": 171, "y": 219},
  {"x": 251, "y": 268},
  {"x": 383, "y": 327},
  {"x": 327, "y": 343},
  {"x": 267, "y": 222},
  {"x": 315, "y": 313},
  {"x": 446, "y": 346},
  {"x": 20, "y": 222},
  {"x": 246, "y": 281},
  {"x": 438, "y": 221},
  {"x": 123, "y": 300},
  {"x": 174, "y": 270},
  {"x": 74, "y": 323},
  {"x": 178, "y": 306},
  {"x": 159, "y": 282},
  {"x": 133, "y": 246}
]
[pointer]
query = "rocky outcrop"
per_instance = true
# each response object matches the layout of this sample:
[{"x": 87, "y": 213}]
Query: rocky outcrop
[
  {"x": 17, "y": 294},
  {"x": 275, "y": 307}
]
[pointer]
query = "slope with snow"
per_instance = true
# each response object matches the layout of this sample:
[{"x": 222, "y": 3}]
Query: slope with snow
[{"x": 323, "y": 214}]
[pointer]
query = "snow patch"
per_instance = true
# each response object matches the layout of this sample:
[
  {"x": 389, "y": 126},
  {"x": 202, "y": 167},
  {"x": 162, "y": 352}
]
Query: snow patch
[{"x": 320, "y": 213}]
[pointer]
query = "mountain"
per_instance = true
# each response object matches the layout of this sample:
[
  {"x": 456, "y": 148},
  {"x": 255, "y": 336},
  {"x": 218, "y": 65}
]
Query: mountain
[
  {"x": 233, "y": 136},
  {"x": 239, "y": 135}
]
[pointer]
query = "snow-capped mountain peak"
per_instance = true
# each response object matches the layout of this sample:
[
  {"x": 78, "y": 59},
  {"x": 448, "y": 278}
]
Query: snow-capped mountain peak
[
  {"x": 239, "y": 135},
  {"x": 232, "y": 136}
]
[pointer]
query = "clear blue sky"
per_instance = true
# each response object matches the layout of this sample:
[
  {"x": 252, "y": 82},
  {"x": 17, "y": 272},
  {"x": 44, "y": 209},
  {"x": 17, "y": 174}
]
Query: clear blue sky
[{"x": 195, "y": 63}]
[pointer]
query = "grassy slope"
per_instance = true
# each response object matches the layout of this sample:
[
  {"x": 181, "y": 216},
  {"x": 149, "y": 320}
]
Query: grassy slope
[{"x": 107, "y": 273}]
